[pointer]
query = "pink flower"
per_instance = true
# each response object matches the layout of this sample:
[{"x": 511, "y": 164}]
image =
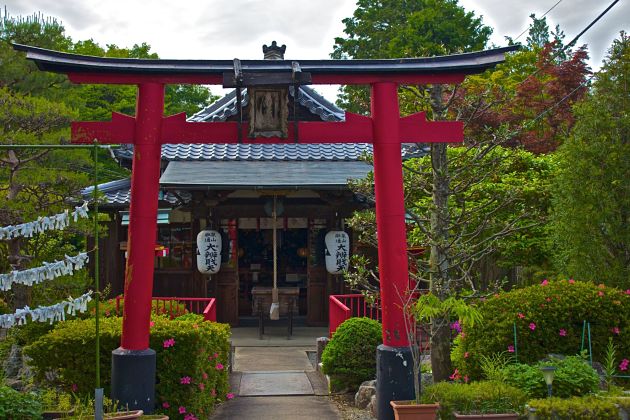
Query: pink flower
[
  {"x": 571, "y": 281},
  {"x": 562, "y": 332},
  {"x": 455, "y": 376},
  {"x": 548, "y": 299},
  {"x": 600, "y": 293},
  {"x": 510, "y": 349},
  {"x": 544, "y": 282},
  {"x": 624, "y": 364},
  {"x": 185, "y": 380},
  {"x": 201, "y": 386},
  {"x": 165, "y": 405},
  {"x": 190, "y": 417},
  {"x": 151, "y": 324},
  {"x": 107, "y": 313},
  {"x": 229, "y": 395},
  {"x": 169, "y": 343},
  {"x": 466, "y": 378},
  {"x": 466, "y": 355},
  {"x": 74, "y": 387},
  {"x": 213, "y": 392},
  {"x": 182, "y": 410},
  {"x": 216, "y": 355},
  {"x": 628, "y": 292},
  {"x": 532, "y": 326},
  {"x": 219, "y": 366},
  {"x": 615, "y": 330},
  {"x": 204, "y": 375},
  {"x": 521, "y": 315}
]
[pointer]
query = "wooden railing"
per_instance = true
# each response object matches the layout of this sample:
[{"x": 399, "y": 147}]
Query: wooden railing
[
  {"x": 176, "y": 306},
  {"x": 342, "y": 307}
]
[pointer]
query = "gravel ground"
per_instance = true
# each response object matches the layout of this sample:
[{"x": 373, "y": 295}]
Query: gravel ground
[{"x": 345, "y": 404}]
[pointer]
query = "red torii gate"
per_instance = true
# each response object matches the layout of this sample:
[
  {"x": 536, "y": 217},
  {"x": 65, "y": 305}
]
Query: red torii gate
[{"x": 133, "y": 364}]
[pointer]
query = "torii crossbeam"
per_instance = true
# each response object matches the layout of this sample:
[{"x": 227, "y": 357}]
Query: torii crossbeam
[{"x": 133, "y": 364}]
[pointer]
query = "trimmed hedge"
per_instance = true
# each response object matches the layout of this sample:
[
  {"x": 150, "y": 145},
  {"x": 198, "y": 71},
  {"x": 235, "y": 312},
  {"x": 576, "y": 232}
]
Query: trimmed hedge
[
  {"x": 192, "y": 359},
  {"x": 549, "y": 319},
  {"x": 486, "y": 397},
  {"x": 587, "y": 408},
  {"x": 350, "y": 356},
  {"x": 573, "y": 377}
]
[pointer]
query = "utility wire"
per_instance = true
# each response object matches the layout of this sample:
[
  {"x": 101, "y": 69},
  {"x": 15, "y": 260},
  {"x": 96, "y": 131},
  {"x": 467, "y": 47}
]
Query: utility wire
[{"x": 544, "y": 14}]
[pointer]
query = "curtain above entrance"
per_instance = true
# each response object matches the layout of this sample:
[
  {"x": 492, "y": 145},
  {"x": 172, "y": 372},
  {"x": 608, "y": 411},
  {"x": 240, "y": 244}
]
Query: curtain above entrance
[{"x": 262, "y": 174}]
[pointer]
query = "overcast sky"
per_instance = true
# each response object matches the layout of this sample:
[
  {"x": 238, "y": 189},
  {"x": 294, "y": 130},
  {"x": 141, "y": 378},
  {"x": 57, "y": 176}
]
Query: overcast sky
[{"x": 225, "y": 29}]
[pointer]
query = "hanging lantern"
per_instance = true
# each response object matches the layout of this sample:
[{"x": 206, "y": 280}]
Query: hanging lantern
[
  {"x": 337, "y": 251},
  {"x": 209, "y": 251}
]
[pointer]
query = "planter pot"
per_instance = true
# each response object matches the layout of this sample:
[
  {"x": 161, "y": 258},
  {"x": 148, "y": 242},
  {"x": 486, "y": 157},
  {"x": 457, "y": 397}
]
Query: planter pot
[
  {"x": 408, "y": 410},
  {"x": 124, "y": 415},
  {"x": 51, "y": 415},
  {"x": 498, "y": 416}
]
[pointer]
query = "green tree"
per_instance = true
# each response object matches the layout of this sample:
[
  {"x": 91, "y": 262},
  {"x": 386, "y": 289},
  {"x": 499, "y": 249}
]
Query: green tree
[{"x": 591, "y": 223}]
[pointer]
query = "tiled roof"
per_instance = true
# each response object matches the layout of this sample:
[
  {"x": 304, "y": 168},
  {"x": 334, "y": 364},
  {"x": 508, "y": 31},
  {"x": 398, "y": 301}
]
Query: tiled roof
[
  {"x": 226, "y": 107},
  {"x": 278, "y": 152},
  {"x": 119, "y": 193}
]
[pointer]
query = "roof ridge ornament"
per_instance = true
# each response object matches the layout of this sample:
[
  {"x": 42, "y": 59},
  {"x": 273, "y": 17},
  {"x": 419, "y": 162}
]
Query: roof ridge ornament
[{"x": 273, "y": 51}]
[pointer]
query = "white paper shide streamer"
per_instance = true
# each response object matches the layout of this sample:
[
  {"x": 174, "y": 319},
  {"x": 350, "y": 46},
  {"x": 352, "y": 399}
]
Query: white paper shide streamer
[
  {"x": 47, "y": 271},
  {"x": 48, "y": 314},
  {"x": 56, "y": 222}
]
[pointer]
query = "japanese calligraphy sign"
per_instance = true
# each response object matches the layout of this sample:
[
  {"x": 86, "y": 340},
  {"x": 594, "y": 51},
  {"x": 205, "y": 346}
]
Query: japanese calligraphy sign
[
  {"x": 209, "y": 251},
  {"x": 337, "y": 251}
]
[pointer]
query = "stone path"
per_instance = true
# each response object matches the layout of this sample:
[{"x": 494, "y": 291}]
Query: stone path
[{"x": 276, "y": 383}]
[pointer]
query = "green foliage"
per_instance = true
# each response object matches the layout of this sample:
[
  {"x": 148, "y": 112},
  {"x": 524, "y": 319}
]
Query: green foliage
[
  {"x": 16, "y": 405},
  {"x": 574, "y": 408},
  {"x": 573, "y": 377},
  {"x": 591, "y": 191},
  {"x": 350, "y": 356},
  {"x": 493, "y": 366},
  {"x": 549, "y": 319},
  {"x": 398, "y": 28},
  {"x": 428, "y": 306},
  {"x": 486, "y": 397},
  {"x": 198, "y": 355},
  {"x": 610, "y": 362}
]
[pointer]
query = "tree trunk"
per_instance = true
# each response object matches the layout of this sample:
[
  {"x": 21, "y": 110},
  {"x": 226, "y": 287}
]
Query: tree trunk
[
  {"x": 439, "y": 259},
  {"x": 21, "y": 294}
]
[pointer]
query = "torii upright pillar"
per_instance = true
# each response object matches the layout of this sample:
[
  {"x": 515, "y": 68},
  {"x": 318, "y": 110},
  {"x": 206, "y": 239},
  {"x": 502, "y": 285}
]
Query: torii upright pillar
[{"x": 134, "y": 361}]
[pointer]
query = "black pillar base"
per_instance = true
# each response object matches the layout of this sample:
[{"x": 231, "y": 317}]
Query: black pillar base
[
  {"x": 133, "y": 379},
  {"x": 394, "y": 378}
]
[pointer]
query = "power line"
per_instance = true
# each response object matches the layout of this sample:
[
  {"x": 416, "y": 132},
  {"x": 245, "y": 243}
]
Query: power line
[
  {"x": 591, "y": 24},
  {"x": 544, "y": 14}
]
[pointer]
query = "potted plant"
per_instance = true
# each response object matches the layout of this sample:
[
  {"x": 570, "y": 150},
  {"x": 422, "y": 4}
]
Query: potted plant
[{"x": 424, "y": 309}]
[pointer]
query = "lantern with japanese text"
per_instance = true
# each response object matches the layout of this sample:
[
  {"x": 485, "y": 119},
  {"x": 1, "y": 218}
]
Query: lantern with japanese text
[
  {"x": 337, "y": 251},
  {"x": 209, "y": 251}
]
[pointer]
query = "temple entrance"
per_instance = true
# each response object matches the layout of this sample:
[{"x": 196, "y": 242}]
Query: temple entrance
[{"x": 255, "y": 262}]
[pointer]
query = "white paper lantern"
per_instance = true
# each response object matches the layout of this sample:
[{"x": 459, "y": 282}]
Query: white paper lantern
[
  {"x": 337, "y": 251},
  {"x": 209, "y": 251}
]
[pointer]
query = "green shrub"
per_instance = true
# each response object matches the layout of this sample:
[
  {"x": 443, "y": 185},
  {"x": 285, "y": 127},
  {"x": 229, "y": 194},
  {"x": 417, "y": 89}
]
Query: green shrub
[
  {"x": 573, "y": 377},
  {"x": 589, "y": 407},
  {"x": 549, "y": 319},
  {"x": 350, "y": 356},
  {"x": 475, "y": 398},
  {"x": 191, "y": 369},
  {"x": 18, "y": 406}
]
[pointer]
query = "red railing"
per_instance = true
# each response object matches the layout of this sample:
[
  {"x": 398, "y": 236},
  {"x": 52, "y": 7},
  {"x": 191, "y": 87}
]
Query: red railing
[
  {"x": 176, "y": 306},
  {"x": 342, "y": 307}
]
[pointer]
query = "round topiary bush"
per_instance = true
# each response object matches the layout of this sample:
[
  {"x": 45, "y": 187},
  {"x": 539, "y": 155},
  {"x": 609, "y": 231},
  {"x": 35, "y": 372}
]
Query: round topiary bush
[
  {"x": 350, "y": 356},
  {"x": 549, "y": 318}
]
